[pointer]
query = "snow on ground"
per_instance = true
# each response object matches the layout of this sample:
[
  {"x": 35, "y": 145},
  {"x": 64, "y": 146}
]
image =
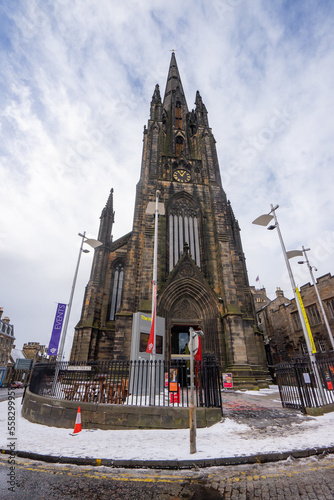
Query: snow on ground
[
  {"x": 262, "y": 392},
  {"x": 225, "y": 439}
]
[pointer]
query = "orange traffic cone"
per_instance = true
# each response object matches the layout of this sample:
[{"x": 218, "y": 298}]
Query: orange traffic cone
[{"x": 77, "y": 426}]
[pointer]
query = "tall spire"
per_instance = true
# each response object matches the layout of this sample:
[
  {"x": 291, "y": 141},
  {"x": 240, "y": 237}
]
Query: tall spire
[{"x": 173, "y": 84}]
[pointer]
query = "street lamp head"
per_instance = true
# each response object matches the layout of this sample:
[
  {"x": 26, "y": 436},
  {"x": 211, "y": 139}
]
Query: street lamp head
[
  {"x": 93, "y": 243},
  {"x": 294, "y": 253},
  {"x": 271, "y": 227},
  {"x": 263, "y": 220},
  {"x": 85, "y": 250},
  {"x": 90, "y": 241},
  {"x": 301, "y": 262}
]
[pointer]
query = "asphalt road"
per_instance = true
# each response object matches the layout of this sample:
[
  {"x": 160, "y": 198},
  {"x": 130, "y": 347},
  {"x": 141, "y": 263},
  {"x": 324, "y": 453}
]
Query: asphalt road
[
  {"x": 311, "y": 478},
  {"x": 4, "y": 393}
]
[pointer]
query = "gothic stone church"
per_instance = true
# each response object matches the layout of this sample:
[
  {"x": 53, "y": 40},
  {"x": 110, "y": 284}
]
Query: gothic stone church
[{"x": 201, "y": 276}]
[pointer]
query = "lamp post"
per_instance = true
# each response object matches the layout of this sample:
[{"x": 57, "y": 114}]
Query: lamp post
[
  {"x": 317, "y": 292},
  {"x": 264, "y": 220},
  {"x": 94, "y": 244},
  {"x": 194, "y": 334}
]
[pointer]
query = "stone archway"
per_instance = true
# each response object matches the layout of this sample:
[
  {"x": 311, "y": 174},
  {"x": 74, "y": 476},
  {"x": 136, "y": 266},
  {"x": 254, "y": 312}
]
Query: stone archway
[
  {"x": 183, "y": 315},
  {"x": 187, "y": 300}
]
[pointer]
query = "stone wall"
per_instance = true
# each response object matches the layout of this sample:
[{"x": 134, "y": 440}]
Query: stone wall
[{"x": 59, "y": 413}]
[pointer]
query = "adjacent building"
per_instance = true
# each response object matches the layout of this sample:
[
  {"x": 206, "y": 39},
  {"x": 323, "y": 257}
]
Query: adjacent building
[
  {"x": 16, "y": 355},
  {"x": 34, "y": 351},
  {"x": 6, "y": 343},
  {"x": 201, "y": 278},
  {"x": 279, "y": 320}
]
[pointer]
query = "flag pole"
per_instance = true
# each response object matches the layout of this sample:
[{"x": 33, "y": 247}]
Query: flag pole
[{"x": 152, "y": 339}]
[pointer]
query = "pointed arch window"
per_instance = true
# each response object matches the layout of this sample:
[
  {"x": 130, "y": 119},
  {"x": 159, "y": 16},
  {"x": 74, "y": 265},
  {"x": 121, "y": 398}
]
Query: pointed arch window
[
  {"x": 178, "y": 146},
  {"x": 116, "y": 291},
  {"x": 178, "y": 115},
  {"x": 183, "y": 228}
]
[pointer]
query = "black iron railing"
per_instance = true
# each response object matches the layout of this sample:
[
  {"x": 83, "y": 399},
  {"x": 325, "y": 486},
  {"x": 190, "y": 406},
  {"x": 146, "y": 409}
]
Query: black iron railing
[
  {"x": 135, "y": 383},
  {"x": 306, "y": 384}
]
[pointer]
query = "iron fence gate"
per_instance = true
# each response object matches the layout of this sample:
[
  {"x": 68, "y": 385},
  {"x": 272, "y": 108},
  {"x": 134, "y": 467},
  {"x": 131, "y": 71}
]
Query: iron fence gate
[
  {"x": 135, "y": 383},
  {"x": 306, "y": 384}
]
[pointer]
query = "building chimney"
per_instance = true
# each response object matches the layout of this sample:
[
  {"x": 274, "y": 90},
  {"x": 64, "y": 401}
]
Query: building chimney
[
  {"x": 1, "y": 311},
  {"x": 279, "y": 292},
  {"x": 6, "y": 319}
]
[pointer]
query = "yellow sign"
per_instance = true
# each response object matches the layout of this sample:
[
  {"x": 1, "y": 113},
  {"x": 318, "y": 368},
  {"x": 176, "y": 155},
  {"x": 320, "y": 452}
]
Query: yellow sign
[
  {"x": 145, "y": 318},
  {"x": 314, "y": 350}
]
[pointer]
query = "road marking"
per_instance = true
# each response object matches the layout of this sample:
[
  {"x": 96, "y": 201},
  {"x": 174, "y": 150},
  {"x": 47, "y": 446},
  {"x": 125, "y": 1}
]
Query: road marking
[{"x": 92, "y": 473}]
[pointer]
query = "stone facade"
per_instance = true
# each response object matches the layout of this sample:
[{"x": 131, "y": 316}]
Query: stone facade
[
  {"x": 260, "y": 297},
  {"x": 202, "y": 277},
  {"x": 280, "y": 324},
  {"x": 6, "y": 343},
  {"x": 6, "y": 338},
  {"x": 60, "y": 413},
  {"x": 34, "y": 351}
]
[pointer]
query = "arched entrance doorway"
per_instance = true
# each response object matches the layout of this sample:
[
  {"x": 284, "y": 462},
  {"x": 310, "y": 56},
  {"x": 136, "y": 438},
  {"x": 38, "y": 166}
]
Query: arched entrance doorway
[
  {"x": 187, "y": 301},
  {"x": 179, "y": 351},
  {"x": 179, "y": 340}
]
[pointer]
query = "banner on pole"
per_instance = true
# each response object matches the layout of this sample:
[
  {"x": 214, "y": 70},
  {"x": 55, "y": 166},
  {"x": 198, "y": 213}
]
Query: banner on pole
[
  {"x": 198, "y": 354},
  {"x": 56, "y": 330},
  {"x": 314, "y": 349},
  {"x": 150, "y": 344}
]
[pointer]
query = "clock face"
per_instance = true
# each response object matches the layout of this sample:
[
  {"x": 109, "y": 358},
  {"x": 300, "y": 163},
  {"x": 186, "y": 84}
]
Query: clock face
[{"x": 181, "y": 176}]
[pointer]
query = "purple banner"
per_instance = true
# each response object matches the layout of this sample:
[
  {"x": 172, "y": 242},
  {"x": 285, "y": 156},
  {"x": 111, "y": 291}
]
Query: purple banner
[{"x": 56, "y": 331}]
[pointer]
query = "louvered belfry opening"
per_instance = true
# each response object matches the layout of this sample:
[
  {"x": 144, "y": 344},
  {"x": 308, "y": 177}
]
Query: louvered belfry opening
[{"x": 183, "y": 228}]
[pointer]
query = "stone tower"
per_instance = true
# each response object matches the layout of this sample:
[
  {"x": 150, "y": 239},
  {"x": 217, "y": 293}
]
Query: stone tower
[{"x": 202, "y": 276}]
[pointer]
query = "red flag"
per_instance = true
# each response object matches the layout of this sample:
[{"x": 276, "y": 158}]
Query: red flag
[
  {"x": 198, "y": 355},
  {"x": 150, "y": 343}
]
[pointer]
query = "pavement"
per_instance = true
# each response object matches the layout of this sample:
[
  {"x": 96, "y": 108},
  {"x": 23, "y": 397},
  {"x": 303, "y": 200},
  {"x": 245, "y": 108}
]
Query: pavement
[
  {"x": 263, "y": 413},
  {"x": 4, "y": 393}
]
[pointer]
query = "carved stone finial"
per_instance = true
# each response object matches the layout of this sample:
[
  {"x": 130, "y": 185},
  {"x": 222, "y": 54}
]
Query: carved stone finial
[
  {"x": 198, "y": 100},
  {"x": 156, "y": 98}
]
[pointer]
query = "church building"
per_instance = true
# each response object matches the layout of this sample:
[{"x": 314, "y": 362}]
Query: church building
[{"x": 201, "y": 272}]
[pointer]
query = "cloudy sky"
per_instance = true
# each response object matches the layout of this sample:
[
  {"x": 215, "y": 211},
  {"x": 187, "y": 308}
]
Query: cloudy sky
[{"x": 77, "y": 77}]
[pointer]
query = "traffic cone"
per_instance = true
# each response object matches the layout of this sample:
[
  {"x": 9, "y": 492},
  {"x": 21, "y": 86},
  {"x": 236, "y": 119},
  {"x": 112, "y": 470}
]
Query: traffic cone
[{"x": 77, "y": 426}]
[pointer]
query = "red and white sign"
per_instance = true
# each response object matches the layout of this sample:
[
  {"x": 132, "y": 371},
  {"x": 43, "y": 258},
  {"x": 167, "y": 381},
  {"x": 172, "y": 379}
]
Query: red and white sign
[
  {"x": 227, "y": 381},
  {"x": 151, "y": 339}
]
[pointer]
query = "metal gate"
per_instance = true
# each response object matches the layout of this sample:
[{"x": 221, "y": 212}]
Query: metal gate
[{"x": 298, "y": 385}]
